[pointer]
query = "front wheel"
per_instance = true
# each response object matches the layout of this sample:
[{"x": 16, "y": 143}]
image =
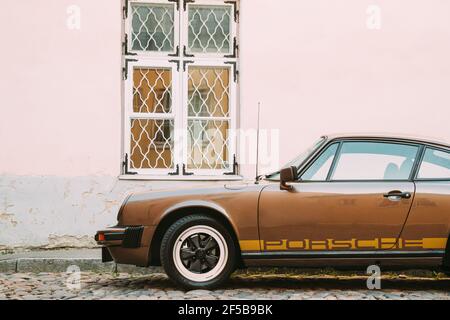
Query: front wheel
[{"x": 197, "y": 252}]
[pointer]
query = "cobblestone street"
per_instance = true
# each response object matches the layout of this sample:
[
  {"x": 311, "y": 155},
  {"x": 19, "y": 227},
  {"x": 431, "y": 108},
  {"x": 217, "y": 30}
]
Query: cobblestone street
[{"x": 242, "y": 286}]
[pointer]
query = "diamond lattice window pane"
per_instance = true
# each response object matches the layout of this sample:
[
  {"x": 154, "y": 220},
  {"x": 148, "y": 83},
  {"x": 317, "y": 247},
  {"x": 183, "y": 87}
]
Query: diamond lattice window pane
[
  {"x": 152, "y": 90},
  {"x": 209, "y": 29},
  {"x": 208, "y": 92},
  {"x": 208, "y": 144},
  {"x": 152, "y": 27},
  {"x": 152, "y": 144}
]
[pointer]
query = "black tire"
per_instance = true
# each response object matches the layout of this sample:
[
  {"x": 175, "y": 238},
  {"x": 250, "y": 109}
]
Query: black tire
[{"x": 168, "y": 245}]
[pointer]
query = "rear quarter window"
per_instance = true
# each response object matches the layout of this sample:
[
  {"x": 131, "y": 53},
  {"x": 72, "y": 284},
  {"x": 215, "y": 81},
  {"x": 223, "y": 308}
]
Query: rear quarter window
[{"x": 435, "y": 165}]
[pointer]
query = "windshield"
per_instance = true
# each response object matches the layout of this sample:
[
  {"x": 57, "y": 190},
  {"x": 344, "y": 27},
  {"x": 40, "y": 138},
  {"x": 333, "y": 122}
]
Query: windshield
[{"x": 298, "y": 160}]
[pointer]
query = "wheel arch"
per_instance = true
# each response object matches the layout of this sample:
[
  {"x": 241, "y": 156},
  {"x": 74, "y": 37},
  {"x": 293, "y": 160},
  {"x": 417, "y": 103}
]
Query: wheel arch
[{"x": 174, "y": 213}]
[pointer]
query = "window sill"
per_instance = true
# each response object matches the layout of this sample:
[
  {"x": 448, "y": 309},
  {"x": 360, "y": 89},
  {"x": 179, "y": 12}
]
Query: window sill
[{"x": 179, "y": 178}]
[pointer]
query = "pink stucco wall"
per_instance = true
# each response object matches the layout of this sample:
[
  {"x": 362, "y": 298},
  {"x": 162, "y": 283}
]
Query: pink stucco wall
[
  {"x": 318, "y": 68},
  {"x": 314, "y": 65},
  {"x": 60, "y": 88}
]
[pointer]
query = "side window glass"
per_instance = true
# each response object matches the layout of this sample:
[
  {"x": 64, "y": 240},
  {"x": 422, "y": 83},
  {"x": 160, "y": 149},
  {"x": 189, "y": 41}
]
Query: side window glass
[
  {"x": 435, "y": 165},
  {"x": 375, "y": 161},
  {"x": 318, "y": 171}
]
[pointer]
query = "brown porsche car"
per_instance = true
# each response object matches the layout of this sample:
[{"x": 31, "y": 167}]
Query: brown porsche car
[{"x": 350, "y": 200}]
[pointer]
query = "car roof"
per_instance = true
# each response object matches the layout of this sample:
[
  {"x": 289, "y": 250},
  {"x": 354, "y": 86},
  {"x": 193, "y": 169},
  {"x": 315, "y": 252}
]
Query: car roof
[{"x": 387, "y": 136}]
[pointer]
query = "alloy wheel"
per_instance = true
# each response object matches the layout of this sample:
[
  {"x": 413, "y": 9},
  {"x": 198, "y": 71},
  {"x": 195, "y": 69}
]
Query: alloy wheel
[{"x": 200, "y": 253}]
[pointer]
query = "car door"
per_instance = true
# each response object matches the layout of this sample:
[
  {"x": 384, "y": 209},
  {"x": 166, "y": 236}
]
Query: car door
[
  {"x": 355, "y": 195},
  {"x": 428, "y": 224}
]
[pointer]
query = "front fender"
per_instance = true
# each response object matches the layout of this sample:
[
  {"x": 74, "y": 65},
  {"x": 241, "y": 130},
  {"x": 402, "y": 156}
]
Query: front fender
[{"x": 185, "y": 205}]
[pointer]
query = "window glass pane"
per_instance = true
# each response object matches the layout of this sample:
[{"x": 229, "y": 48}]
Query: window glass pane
[
  {"x": 208, "y": 144},
  {"x": 435, "y": 165},
  {"x": 152, "y": 27},
  {"x": 208, "y": 92},
  {"x": 152, "y": 90},
  {"x": 375, "y": 161},
  {"x": 152, "y": 144},
  {"x": 318, "y": 171},
  {"x": 299, "y": 159},
  {"x": 209, "y": 29},
  {"x": 208, "y": 118}
]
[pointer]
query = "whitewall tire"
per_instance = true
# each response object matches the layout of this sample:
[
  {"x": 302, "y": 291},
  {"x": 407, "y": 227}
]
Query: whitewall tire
[{"x": 198, "y": 252}]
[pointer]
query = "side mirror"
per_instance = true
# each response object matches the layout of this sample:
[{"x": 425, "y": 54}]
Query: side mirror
[{"x": 288, "y": 175}]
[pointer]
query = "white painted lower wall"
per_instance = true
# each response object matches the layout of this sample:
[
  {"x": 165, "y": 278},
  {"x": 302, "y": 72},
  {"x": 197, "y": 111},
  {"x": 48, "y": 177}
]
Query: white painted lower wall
[{"x": 57, "y": 212}]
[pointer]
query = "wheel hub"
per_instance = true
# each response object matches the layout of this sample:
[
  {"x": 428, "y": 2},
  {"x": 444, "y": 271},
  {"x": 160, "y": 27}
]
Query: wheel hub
[{"x": 200, "y": 254}]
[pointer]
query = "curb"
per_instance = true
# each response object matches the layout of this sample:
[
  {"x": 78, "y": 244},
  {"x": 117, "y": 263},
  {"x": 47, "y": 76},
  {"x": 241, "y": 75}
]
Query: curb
[
  {"x": 92, "y": 264},
  {"x": 55, "y": 265}
]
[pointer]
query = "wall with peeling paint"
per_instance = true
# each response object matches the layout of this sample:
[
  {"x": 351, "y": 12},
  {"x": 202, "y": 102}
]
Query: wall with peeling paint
[
  {"x": 54, "y": 212},
  {"x": 314, "y": 65}
]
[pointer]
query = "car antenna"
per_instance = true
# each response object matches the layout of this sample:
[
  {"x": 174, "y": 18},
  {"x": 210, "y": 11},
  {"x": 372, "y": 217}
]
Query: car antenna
[{"x": 257, "y": 144}]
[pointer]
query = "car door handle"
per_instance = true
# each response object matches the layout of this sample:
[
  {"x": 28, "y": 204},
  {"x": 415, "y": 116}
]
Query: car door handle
[{"x": 394, "y": 195}]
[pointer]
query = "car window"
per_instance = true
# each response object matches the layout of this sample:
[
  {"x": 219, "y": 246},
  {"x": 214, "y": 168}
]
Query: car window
[
  {"x": 299, "y": 160},
  {"x": 435, "y": 165},
  {"x": 318, "y": 171},
  {"x": 375, "y": 161}
]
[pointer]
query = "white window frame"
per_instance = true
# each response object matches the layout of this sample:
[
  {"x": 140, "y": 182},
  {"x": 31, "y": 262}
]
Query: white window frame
[
  {"x": 185, "y": 29},
  {"x": 176, "y": 34},
  {"x": 152, "y": 59},
  {"x": 130, "y": 115},
  {"x": 231, "y": 118}
]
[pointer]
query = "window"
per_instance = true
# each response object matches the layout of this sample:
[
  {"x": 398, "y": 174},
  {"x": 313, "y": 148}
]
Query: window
[
  {"x": 299, "y": 159},
  {"x": 180, "y": 87},
  {"x": 375, "y": 161},
  {"x": 318, "y": 171},
  {"x": 153, "y": 27},
  {"x": 435, "y": 165}
]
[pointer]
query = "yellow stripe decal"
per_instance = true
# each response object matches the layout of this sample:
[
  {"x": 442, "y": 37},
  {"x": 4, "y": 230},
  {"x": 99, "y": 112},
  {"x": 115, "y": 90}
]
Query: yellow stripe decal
[
  {"x": 250, "y": 245},
  {"x": 434, "y": 243},
  {"x": 353, "y": 244}
]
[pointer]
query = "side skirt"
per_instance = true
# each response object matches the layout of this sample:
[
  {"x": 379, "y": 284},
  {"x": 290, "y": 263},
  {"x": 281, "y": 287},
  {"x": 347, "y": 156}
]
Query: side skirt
[
  {"x": 277, "y": 255},
  {"x": 345, "y": 259}
]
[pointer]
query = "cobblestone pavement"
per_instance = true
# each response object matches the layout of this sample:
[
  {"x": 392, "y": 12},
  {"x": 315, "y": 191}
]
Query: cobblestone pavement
[{"x": 241, "y": 286}]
